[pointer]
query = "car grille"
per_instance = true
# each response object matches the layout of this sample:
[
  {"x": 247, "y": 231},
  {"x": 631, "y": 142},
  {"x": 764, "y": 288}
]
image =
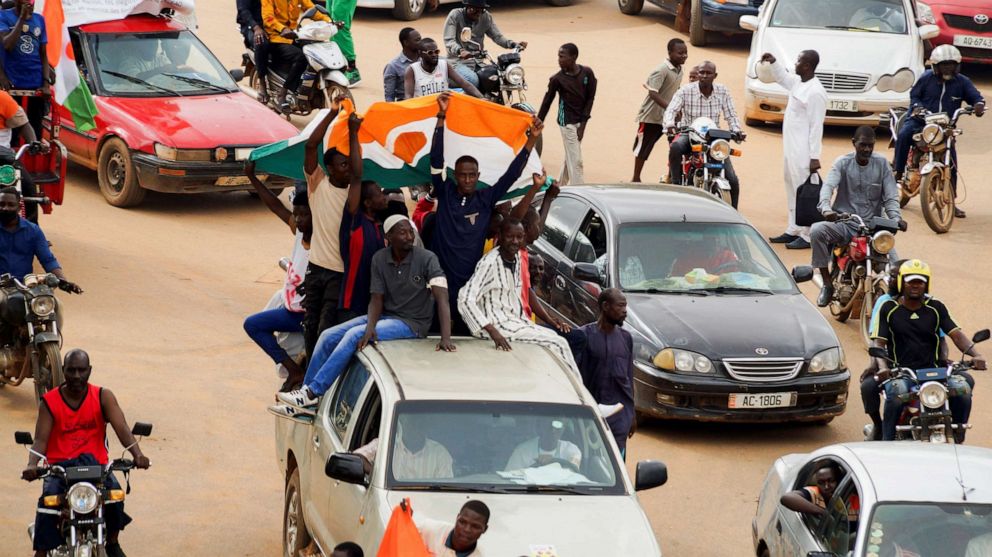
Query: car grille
[
  {"x": 967, "y": 22},
  {"x": 980, "y": 53},
  {"x": 843, "y": 82},
  {"x": 763, "y": 369}
]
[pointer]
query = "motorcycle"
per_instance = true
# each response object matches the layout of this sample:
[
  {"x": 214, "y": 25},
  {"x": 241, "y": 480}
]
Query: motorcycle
[
  {"x": 30, "y": 332},
  {"x": 324, "y": 79},
  {"x": 928, "y": 168},
  {"x": 14, "y": 174},
  {"x": 704, "y": 167},
  {"x": 87, "y": 494},
  {"x": 927, "y": 417},
  {"x": 860, "y": 270}
]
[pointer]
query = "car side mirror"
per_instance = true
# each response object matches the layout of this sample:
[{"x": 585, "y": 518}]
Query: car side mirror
[
  {"x": 749, "y": 22},
  {"x": 23, "y": 438},
  {"x": 237, "y": 73},
  {"x": 802, "y": 273},
  {"x": 346, "y": 467},
  {"x": 650, "y": 474},
  {"x": 878, "y": 352},
  {"x": 980, "y": 336},
  {"x": 466, "y": 34},
  {"x": 141, "y": 429},
  {"x": 929, "y": 31},
  {"x": 587, "y": 272}
]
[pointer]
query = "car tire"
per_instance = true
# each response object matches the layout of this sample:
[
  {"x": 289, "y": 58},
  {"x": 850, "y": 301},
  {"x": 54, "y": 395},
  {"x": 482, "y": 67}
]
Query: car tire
[
  {"x": 697, "y": 35},
  {"x": 117, "y": 176},
  {"x": 295, "y": 536},
  {"x": 408, "y": 10},
  {"x": 630, "y": 7}
]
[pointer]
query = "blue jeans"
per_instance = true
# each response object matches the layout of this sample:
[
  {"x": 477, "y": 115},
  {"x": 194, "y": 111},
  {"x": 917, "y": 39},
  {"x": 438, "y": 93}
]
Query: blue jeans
[
  {"x": 896, "y": 390},
  {"x": 262, "y": 326},
  {"x": 337, "y": 345},
  {"x": 468, "y": 72}
]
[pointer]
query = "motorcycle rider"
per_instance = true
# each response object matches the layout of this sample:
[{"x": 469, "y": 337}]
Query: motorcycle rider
[
  {"x": 865, "y": 187},
  {"x": 250, "y": 20},
  {"x": 910, "y": 329},
  {"x": 702, "y": 98},
  {"x": 72, "y": 431},
  {"x": 939, "y": 89},
  {"x": 474, "y": 15},
  {"x": 21, "y": 241},
  {"x": 279, "y": 18},
  {"x": 430, "y": 75}
]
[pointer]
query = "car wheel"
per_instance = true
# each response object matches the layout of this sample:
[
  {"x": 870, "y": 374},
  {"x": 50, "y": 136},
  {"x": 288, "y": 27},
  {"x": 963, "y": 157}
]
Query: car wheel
[
  {"x": 697, "y": 35},
  {"x": 408, "y": 10},
  {"x": 117, "y": 175},
  {"x": 631, "y": 7},
  {"x": 295, "y": 536}
]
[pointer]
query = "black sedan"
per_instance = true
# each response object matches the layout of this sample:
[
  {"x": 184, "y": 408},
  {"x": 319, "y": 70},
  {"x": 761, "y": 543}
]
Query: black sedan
[{"x": 721, "y": 332}]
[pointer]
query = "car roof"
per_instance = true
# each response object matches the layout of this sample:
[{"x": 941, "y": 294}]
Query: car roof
[
  {"x": 477, "y": 371},
  {"x": 141, "y": 23},
  {"x": 657, "y": 203}
]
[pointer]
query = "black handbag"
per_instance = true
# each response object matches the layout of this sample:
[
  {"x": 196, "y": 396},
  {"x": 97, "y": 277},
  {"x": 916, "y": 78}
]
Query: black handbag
[{"x": 807, "y": 198}]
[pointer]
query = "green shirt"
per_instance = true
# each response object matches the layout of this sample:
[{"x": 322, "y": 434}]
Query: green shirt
[{"x": 666, "y": 80}]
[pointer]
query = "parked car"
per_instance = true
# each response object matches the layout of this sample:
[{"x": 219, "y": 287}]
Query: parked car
[
  {"x": 171, "y": 118},
  {"x": 721, "y": 332},
  {"x": 871, "y": 54},
  {"x": 703, "y": 15},
  {"x": 920, "y": 498},
  {"x": 966, "y": 24},
  {"x": 478, "y": 409},
  {"x": 409, "y": 10}
]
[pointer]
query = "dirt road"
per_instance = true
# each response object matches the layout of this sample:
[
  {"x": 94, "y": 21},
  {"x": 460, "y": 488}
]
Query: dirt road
[{"x": 168, "y": 285}]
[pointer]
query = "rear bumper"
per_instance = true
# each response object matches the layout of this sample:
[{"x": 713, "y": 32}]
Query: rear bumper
[
  {"x": 186, "y": 177},
  {"x": 699, "y": 398},
  {"x": 725, "y": 18}
]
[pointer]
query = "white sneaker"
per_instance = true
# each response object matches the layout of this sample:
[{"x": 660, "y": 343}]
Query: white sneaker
[
  {"x": 292, "y": 412},
  {"x": 608, "y": 410},
  {"x": 300, "y": 398}
]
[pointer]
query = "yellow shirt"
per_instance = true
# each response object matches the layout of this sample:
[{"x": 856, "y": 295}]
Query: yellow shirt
[
  {"x": 327, "y": 205},
  {"x": 282, "y": 14}
]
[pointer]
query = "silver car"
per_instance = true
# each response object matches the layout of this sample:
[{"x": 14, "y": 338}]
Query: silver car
[{"x": 891, "y": 500}]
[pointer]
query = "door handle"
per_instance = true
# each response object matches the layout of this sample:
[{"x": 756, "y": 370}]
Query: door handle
[{"x": 559, "y": 282}]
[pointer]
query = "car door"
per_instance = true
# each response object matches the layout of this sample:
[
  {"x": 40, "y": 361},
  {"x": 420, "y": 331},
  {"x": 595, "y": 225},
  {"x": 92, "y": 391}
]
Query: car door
[
  {"x": 839, "y": 529},
  {"x": 798, "y": 533},
  {"x": 564, "y": 217},
  {"x": 587, "y": 245}
]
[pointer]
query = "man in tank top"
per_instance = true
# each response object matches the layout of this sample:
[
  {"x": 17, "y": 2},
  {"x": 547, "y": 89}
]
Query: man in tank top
[{"x": 431, "y": 75}]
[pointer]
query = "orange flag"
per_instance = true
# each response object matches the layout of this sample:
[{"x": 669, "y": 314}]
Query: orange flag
[{"x": 402, "y": 539}]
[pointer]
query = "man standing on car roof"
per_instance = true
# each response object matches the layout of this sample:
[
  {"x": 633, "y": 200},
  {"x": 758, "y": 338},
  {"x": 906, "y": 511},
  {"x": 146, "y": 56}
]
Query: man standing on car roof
[{"x": 25, "y": 65}]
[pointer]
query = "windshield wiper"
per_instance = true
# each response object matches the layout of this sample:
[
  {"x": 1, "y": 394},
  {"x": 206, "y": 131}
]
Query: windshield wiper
[
  {"x": 667, "y": 291},
  {"x": 851, "y": 28},
  {"x": 455, "y": 487},
  {"x": 140, "y": 81},
  {"x": 725, "y": 289},
  {"x": 198, "y": 81},
  {"x": 550, "y": 489}
]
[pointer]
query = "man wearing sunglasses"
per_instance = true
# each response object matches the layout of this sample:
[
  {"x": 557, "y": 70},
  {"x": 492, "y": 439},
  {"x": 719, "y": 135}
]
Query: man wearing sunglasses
[
  {"x": 474, "y": 15},
  {"x": 430, "y": 75}
]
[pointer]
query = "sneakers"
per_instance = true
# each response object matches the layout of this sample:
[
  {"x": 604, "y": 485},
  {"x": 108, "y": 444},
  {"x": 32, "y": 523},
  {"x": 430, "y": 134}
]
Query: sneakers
[
  {"x": 354, "y": 77},
  {"x": 608, "y": 410},
  {"x": 292, "y": 412},
  {"x": 300, "y": 398}
]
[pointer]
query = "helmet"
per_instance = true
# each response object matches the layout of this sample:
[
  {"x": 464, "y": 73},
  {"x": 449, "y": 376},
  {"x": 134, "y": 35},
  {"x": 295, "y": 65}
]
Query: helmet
[
  {"x": 912, "y": 270},
  {"x": 945, "y": 53}
]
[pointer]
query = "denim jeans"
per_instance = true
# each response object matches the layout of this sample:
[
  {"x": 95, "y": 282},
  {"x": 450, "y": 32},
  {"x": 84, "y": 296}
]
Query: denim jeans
[
  {"x": 959, "y": 399},
  {"x": 262, "y": 326},
  {"x": 337, "y": 345},
  {"x": 468, "y": 72}
]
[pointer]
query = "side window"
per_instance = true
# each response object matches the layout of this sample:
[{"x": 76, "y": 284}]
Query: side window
[
  {"x": 590, "y": 242},
  {"x": 840, "y": 525},
  {"x": 367, "y": 426},
  {"x": 347, "y": 390},
  {"x": 563, "y": 219}
]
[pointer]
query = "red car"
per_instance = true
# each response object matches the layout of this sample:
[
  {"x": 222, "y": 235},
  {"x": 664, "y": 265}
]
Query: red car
[
  {"x": 171, "y": 118},
  {"x": 966, "y": 24}
]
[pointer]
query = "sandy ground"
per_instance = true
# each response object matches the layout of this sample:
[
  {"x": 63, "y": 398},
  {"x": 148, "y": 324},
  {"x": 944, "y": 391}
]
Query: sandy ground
[{"x": 168, "y": 284}]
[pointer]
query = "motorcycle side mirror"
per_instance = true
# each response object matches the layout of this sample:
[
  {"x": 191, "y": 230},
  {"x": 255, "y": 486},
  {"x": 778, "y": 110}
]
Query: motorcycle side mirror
[
  {"x": 23, "y": 438},
  {"x": 981, "y": 336},
  {"x": 51, "y": 281},
  {"x": 141, "y": 429},
  {"x": 878, "y": 352},
  {"x": 802, "y": 273},
  {"x": 466, "y": 34},
  {"x": 237, "y": 73}
]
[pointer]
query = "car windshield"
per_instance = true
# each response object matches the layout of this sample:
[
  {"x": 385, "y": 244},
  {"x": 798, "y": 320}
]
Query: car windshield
[
  {"x": 698, "y": 258},
  {"x": 501, "y": 447},
  {"x": 173, "y": 63},
  {"x": 875, "y": 16},
  {"x": 946, "y": 529}
]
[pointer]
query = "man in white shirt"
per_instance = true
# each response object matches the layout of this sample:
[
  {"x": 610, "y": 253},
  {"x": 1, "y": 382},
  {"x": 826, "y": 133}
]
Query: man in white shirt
[
  {"x": 545, "y": 449},
  {"x": 430, "y": 75},
  {"x": 802, "y": 135},
  {"x": 415, "y": 457}
]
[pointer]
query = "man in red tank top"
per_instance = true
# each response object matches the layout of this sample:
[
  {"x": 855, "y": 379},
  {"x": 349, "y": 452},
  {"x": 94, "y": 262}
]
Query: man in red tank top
[{"x": 72, "y": 431}]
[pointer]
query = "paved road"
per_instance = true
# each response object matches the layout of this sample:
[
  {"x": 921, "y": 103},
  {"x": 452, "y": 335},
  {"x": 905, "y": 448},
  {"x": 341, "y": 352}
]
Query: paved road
[{"x": 168, "y": 284}]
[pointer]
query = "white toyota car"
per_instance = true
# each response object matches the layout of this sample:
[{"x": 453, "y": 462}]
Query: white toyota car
[{"x": 871, "y": 54}]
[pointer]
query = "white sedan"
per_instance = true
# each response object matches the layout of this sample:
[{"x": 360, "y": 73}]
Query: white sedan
[
  {"x": 871, "y": 54},
  {"x": 891, "y": 499}
]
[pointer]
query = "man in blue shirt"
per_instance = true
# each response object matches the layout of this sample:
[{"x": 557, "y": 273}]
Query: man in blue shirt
[
  {"x": 21, "y": 241},
  {"x": 392, "y": 75},
  {"x": 25, "y": 65},
  {"x": 939, "y": 89}
]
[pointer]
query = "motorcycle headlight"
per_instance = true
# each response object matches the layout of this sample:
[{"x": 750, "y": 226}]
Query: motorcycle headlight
[
  {"x": 673, "y": 359},
  {"x": 720, "y": 149},
  {"x": 515, "y": 74},
  {"x": 83, "y": 498},
  {"x": 883, "y": 241},
  {"x": 43, "y": 306},
  {"x": 828, "y": 361},
  {"x": 933, "y": 395},
  {"x": 932, "y": 134}
]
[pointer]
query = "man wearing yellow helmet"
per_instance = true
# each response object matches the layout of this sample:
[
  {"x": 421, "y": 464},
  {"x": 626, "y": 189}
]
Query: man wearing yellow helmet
[{"x": 910, "y": 328}]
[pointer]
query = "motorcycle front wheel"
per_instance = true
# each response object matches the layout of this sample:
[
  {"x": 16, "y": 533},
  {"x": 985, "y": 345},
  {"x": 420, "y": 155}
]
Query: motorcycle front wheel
[
  {"x": 722, "y": 195},
  {"x": 46, "y": 370},
  {"x": 937, "y": 198}
]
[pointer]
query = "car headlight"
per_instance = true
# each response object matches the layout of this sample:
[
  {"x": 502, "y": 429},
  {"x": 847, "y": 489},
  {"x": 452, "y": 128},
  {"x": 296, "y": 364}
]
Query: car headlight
[
  {"x": 925, "y": 14},
  {"x": 43, "y": 306},
  {"x": 883, "y": 241},
  {"x": 83, "y": 498},
  {"x": 903, "y": 80},
  {"x": 828, "y": 361},
  {"x": 932, "y": 134},
  {"x": 933, "y": 395},
  {"x": 673, "y": 359},
  {"x": 720, "y": 149},
  {"x": 515, "y": 74},
  {"x": 166, "y": 152}
]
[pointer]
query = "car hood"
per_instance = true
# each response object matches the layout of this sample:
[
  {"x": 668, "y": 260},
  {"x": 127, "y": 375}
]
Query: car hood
[
  {"x": 576, "y": 525},
  {"x": 962, "y": 4},
  {"x": 732, "y": 326},
  {"x": 198, "y": 122},
  {"x": 890, "y": 52}
]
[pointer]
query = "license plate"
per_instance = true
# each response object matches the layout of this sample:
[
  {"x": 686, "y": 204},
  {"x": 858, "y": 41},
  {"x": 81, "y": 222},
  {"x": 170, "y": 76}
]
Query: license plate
[
  {"x": 761, "y": 400},
  {"x": 238, "y": 180},
  {"x": 973, "y": 41},
  {"x": 842, "y": 106}
]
